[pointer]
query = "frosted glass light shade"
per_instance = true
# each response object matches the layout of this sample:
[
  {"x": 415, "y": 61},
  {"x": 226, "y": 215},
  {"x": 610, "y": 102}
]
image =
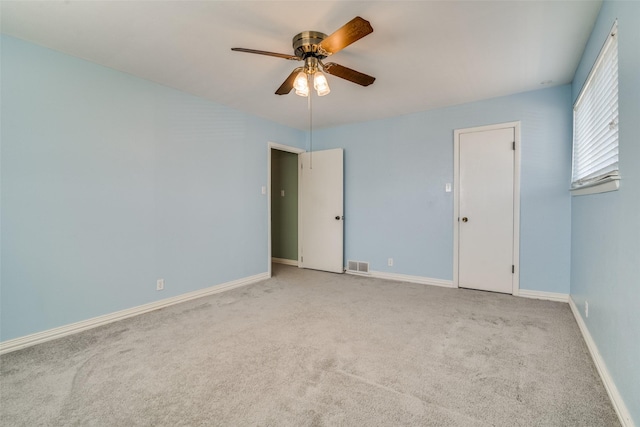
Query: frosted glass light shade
[
  {"x": 321, "y": 84},
  {"x": 301, "y": 85}
]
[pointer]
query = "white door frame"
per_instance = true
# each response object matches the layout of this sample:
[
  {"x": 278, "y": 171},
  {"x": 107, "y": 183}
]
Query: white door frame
[
  {"x": 275, "y": 146},
  {"x": 516, "y": 198}
]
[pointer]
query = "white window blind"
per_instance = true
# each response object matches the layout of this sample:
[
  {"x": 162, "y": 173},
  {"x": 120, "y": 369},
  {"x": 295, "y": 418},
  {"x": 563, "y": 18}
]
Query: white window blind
[{"x": 595, "y": 120}]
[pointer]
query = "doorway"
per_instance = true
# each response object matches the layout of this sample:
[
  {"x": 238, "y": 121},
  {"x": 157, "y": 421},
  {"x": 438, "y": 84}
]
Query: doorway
[
  {"x": 320, "y": 205},
  {"x": 486, "y": 208},
  {"x": 284, "y": 207},
  {"x": 282, "y": 204}
]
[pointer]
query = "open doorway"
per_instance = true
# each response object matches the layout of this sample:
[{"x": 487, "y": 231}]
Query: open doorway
[{"x": 283, "y": 205}]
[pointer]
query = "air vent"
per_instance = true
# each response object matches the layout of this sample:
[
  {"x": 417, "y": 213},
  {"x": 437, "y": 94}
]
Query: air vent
[{"x": 358, "y": 267}]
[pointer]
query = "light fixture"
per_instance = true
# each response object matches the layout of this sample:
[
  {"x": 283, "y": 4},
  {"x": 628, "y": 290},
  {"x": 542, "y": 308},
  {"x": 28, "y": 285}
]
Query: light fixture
[
  {"x": 321, "y": 84},
  {"x": 301, "y": 84}
]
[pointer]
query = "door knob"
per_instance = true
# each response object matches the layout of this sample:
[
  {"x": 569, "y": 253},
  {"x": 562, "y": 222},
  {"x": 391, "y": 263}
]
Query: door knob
[
  {"x": 465, "y": 219},
  {"x": 338, "y": 217}
]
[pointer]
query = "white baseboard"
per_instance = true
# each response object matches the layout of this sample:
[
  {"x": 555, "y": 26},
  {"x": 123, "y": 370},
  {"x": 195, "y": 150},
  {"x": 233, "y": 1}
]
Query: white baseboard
[
  {"x": 550, "y": 296},
  {"x": 285, "y": 261},
  {"x": 609, "y": 384},
  {"x": 51, "y": 334},
  {"x": 411, "y": 279}
]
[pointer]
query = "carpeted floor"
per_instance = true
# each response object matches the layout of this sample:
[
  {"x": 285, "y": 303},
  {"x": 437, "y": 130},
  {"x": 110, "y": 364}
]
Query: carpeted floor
[{"x": 307, "y": 348}]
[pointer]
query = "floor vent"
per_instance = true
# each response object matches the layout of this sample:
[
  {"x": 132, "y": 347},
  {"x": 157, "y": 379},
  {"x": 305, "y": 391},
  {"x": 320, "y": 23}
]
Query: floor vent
[{"x": 358, "y": 267}]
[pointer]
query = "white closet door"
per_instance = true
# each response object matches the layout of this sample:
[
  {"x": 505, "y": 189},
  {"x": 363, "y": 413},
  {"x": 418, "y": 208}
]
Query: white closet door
[{"x": 486, "y": 210}]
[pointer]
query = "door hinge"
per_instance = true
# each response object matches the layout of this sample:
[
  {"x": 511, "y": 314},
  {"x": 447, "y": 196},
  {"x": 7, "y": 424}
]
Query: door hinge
[
  {"x": 301, "y": 259},
  {"x": 514, "y": 145},
  {"x": 513, "y": 269}
]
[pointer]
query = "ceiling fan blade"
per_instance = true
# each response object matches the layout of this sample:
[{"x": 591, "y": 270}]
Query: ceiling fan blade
[
  {"x": 350, "y": 32},
  {"x": 262, "y": 52},
  {"x": 348, "y": 74},
  {"x": 287, "y": 85}
]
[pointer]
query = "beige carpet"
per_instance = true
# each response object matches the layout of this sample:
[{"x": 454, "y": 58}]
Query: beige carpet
[{"x": 307, "y": 348}]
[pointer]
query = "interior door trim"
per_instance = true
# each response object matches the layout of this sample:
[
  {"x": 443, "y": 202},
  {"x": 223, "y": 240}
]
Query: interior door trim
[{"x": 516, "y": 198}]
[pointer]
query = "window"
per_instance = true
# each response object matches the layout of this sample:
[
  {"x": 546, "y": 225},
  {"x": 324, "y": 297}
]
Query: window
[{"x": 595, "y": 125}]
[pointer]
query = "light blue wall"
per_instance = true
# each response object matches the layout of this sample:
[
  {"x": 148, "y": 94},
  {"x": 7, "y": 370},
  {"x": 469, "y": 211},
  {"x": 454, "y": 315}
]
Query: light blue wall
[
  {"x": 110, "y": 182},
  {"x": 395, "y": 175},
  {"x": 605, "y": 227}
]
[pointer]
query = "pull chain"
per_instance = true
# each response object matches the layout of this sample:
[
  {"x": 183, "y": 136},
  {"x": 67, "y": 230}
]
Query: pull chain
[{"x": 310, "y": 123}]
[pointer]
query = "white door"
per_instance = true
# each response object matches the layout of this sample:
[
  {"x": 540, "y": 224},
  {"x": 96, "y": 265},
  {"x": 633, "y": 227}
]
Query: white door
[
  {"x": 321, "y": 210},
  {"x": 486, "y": 210}
]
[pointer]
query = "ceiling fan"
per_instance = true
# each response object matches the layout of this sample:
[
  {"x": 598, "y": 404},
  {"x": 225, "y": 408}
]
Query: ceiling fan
[{"x": 312, "y": 47}]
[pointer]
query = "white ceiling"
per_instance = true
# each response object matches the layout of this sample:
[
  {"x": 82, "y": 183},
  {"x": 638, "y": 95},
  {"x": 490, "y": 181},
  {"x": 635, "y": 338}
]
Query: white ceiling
[{"x": 424, "y": 54}]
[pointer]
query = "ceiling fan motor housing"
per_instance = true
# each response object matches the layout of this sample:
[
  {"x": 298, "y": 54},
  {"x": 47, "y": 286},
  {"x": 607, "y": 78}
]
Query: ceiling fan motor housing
[{"x": 306, "y": 43}]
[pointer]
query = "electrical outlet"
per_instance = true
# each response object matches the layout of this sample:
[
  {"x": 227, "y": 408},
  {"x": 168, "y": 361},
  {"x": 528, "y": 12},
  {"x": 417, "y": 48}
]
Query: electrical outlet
[
  {"x": 586, "y": 309},
  {"x": 159, "y": 284},
  {"x": 390, "y": 262}
]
